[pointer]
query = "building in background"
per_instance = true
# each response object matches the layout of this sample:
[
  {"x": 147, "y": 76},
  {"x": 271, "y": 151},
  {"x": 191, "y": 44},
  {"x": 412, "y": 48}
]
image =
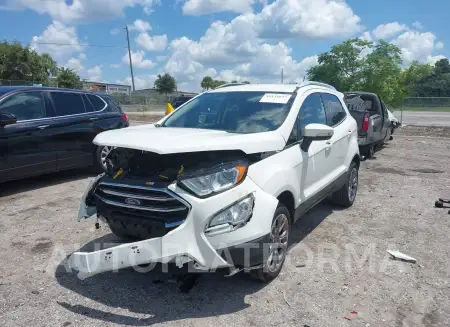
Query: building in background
[{"x": 107, "y": 88}]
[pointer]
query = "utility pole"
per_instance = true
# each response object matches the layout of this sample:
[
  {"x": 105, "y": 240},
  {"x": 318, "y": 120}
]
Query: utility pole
[
  {"x": 282, "y": 75},
  {"x": 129, "y": 55}
]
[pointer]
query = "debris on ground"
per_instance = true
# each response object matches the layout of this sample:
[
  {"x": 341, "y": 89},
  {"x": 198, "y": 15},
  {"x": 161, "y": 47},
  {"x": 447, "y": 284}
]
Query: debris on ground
[{"x": 401, "y": 256}]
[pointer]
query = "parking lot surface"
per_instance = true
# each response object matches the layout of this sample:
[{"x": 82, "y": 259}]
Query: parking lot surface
[{"x": 337, "y": 274}]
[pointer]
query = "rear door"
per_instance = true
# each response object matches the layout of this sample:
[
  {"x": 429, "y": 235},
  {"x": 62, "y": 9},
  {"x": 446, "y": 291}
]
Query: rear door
[
  {"x": 74, "y": 129},
  {"x": 27, "y": 147},
  {"x": 339, "y": 143},
  {"x": 386, "y": 122}
]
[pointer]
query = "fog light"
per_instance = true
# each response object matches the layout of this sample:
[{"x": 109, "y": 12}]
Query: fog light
[{"x": 233, "y": 217}]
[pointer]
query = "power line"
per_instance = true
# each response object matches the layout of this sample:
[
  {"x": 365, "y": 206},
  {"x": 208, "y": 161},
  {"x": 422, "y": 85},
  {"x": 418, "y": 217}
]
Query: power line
[{"x": 71, "y": 44}]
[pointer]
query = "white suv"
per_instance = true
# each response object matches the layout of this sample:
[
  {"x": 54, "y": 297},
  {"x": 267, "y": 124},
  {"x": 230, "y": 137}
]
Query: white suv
[{"x": 219, "y": 182}]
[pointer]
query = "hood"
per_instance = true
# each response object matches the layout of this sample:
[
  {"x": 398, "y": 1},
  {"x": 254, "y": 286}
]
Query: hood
[{"x": 165, "y": 140}]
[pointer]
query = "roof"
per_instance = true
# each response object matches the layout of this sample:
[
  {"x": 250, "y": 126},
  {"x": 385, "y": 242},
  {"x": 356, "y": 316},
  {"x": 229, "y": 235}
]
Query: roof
[
  {"x": 285, "y": 88},
  {"x": 7, "y": 89},
  {"x": 360, "y": 93}
]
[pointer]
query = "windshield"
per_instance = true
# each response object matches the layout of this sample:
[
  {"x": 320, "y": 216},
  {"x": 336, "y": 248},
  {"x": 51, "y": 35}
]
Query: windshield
[{"x": 235, "y": 112}]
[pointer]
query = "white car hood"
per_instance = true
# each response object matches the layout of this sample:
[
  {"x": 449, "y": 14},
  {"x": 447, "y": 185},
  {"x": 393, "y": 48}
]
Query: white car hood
[{"x": 165, "y": 140}]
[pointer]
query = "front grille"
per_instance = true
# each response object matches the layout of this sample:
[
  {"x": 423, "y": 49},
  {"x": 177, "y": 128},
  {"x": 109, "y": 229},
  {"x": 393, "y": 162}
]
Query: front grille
[{"x": 134, "y": 207}]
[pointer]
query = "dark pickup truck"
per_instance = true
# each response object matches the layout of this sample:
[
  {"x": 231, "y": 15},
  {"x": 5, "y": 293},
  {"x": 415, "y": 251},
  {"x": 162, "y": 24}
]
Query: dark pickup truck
[{"x": 372, "y": 117}]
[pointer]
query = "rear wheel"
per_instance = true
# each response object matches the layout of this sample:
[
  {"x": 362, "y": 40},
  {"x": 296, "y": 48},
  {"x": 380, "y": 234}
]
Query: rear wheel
[
  {"x": 346, "y": 195},
  {"x": 279, "y": 240}
]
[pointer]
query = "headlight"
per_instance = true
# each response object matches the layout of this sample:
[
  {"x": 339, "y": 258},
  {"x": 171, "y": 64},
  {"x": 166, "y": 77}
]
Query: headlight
[
  {"x": 205, "y": 183},
  {"x": 233, "y": 217}
]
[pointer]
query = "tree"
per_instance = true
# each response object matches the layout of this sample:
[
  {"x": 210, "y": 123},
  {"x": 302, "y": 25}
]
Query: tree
[
  {"x": 165, "y": 84},
  {"x": 69, "y": 79},
  {"x": 343, "y": 66},
  {"x": 382, "y": 73},
  {"x": 207, "y": 83},
  {"x": 24, "y": 64},
  {"x": 415, "y": 73},
  {"x": 217, "y": 83},
  {"x": 436, "y": 84}
]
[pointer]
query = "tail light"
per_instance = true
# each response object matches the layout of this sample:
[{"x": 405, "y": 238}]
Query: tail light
[
  {"x": 125, "y": 118},
  {"x": 365, "y": 125}
]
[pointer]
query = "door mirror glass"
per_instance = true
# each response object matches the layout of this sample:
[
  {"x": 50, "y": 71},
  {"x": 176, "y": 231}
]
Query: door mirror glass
[
  {"x": 7, "y": 119},
  {"x": 318, "y": 132}
]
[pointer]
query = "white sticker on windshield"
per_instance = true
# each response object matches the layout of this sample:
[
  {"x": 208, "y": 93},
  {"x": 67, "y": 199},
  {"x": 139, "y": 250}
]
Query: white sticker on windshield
[{"x": 275, "y": 98}]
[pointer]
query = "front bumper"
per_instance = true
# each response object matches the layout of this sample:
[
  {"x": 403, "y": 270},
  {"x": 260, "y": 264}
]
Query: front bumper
[{"x": 188, "y": 242}]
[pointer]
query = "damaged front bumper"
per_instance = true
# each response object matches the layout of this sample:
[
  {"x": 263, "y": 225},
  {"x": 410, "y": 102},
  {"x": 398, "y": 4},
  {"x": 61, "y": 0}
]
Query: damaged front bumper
[{"x": 188, "y": 242}]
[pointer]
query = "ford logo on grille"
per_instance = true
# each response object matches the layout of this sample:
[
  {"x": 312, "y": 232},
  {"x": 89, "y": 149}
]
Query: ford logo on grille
[{"x": 132, "y": 202}]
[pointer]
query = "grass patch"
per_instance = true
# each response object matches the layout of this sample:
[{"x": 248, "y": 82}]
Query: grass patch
[{"x": 430, "y": 109}]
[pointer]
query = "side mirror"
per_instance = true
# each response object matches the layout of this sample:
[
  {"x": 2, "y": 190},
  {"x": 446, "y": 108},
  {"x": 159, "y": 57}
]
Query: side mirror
[
  {"x": 316, "y": 132},
  {"x": 7, "y": 119}
]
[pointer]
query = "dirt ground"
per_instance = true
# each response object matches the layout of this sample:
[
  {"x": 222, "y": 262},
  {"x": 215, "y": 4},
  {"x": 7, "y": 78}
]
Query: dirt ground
[{"x": 337, "y": 267}]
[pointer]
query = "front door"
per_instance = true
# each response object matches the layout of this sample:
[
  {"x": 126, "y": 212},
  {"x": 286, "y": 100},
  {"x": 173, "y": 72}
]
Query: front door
[
  {"x": 340, "y": 142},
  {"x": 27, "y": 147}
]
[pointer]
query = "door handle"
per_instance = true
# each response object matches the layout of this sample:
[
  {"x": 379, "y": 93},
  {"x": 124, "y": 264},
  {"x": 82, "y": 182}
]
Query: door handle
[{"x": 43, "y": 126}]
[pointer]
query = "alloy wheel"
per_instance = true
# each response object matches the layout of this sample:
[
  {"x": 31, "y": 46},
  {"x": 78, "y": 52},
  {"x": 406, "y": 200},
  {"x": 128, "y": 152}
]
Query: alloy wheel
[{"x": 279, "y": 241}]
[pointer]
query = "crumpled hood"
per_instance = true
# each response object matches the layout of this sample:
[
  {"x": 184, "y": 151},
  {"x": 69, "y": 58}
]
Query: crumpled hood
[{"x": 165, "y": 140}]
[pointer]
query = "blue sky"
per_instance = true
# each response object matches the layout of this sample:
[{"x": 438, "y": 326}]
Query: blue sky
[{"x": 228, "y": 40}]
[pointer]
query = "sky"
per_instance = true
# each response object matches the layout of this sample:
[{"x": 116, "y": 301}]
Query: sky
[{"x": 243, "y": 40}]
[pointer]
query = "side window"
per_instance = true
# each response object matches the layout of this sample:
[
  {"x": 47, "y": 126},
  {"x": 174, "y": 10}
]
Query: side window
[
  {"x": 25, "y": 106},
  {"x": 311, "y": 112},
  {"x": 68, "y": 103},
  {"x": 333, "y": 107},
  {"x": 97, "y": 103}
]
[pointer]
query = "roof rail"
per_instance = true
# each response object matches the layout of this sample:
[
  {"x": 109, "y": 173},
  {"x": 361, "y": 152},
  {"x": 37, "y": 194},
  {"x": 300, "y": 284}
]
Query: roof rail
[
  {"x": 229, "y": 84},
  {"x": 307, "y": 83}
]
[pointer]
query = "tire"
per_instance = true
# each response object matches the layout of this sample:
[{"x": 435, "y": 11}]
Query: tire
[
  {"x": 271, "y": 268},
  {"x": 100, "y": 156},
  {"x": 346, "y": 195}
]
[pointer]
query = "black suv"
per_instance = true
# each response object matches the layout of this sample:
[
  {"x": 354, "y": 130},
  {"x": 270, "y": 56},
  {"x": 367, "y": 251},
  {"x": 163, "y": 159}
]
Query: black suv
[{"x": 50, "y": 129}]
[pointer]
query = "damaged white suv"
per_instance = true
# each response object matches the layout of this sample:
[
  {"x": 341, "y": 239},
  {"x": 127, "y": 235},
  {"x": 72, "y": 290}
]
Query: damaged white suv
[{"x": 219, "y": 182}]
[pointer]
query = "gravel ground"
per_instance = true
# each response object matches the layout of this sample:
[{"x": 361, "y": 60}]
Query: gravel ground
[{"x": 337, "y": 266}]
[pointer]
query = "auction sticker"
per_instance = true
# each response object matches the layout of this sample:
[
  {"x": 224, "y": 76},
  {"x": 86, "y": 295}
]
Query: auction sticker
[{"x": 275, "y": 98}]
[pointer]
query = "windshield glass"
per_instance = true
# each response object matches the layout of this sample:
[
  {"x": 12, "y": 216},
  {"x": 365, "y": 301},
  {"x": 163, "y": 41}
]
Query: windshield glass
[{"x": 235, "y": 112}]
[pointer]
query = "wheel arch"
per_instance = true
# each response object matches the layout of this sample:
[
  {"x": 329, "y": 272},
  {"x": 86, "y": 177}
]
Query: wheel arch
[{"x": 287, "y": 198}]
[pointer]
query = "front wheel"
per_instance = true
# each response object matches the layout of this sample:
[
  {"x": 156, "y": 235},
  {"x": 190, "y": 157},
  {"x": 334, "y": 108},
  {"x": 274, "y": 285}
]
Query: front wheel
[
  {"x": 279, "y": 240},
  {"x": 100, "y": 156},
  {"x": 346, "y": 195}
]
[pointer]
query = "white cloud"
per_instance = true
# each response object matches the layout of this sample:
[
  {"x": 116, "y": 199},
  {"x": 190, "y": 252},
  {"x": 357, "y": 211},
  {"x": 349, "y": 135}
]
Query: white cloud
[
  {"x": 152, "y": 43},
  {"x": 74, "y": 64},
  {"x": 140, "y": 81},
  {"x": 81, "y": 10},
  {"x": 115, "y": 66},
  {"x": 138, "y": 60},
  {"x": 94, "y": 74},
  {"x": 366, "y": 36},
  {"x": 140, "y": 26},
  {"x": 59, "y": 41},
  {"x": 204, "y": 7},
  {"x": 306, "y": 19},
  {"x": 417, "y": 25},
  {"x": 385, "y": 31},
  {"x": 82, "y": 56},
  {"x": 114, "y": 31},
  {"x": 418, "y": 46}
]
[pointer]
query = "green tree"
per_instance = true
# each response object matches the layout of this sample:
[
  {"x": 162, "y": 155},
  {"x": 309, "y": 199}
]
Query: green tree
[
  {"x": 69, "y": 79},
  {"x": 342, "y": 66},
  {"x": 165, "y": 84},
  {"x": 24, "y": 64},
  {"x": 382, "y": 73},
  {"x": 415, "y": 73},
  {"x": 217, "y": 83},
  {"x": 437, "y": 84},
  {"x": 207, "y": 83}
]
